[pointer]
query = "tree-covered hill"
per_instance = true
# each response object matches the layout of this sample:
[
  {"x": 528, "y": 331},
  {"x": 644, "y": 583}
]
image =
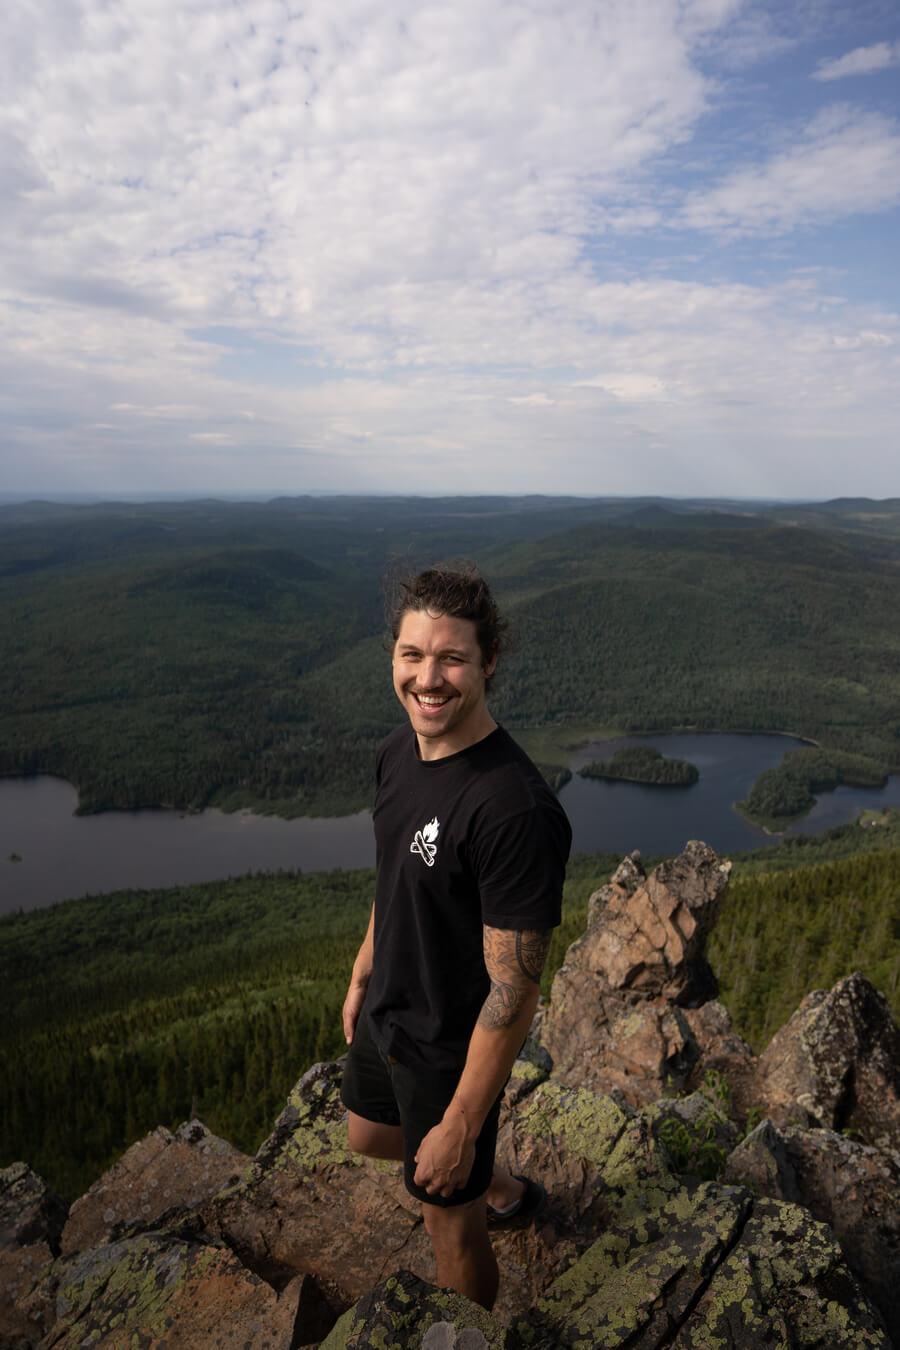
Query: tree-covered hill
[
  {"x": 124, "y": 1011},
  {"x": 202, "y": 652}
]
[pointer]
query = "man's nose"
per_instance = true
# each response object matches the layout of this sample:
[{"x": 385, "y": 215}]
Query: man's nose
[{"x": 430, "y": 675}]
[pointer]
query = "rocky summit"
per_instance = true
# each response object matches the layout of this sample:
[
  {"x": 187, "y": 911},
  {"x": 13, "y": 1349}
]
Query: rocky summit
[{"x": 698, "y": 1197}]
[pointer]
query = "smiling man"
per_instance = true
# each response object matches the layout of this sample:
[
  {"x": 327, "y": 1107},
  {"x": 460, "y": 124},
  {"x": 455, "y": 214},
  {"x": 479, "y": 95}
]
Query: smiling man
[{"x": 471, "y": 855}]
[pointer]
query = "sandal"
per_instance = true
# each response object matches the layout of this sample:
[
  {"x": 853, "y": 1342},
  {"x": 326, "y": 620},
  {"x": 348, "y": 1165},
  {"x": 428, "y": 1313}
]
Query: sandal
[{"x": 529, "y": 1204}]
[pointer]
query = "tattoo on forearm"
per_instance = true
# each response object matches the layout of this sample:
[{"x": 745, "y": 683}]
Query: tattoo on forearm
[{"x": 514, "y": 962}]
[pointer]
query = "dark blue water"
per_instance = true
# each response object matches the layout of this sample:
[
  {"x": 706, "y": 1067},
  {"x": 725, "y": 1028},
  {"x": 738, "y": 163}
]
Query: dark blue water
[
  {"x": 614, "y": 817},
  {"x": 64, "y": 855}
]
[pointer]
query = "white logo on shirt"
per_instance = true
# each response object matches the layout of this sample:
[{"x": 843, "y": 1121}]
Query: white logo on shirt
[{"x": 424, "y": 844}]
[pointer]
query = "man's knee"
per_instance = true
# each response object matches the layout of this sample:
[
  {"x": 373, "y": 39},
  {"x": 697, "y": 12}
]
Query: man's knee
[
  {"x": 452, "y": 1228},
  {"x": 374, "y": 1140}
]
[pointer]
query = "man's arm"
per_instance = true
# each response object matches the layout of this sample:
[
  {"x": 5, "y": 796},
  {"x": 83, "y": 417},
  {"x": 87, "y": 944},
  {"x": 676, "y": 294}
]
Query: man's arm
[
  {"x": 514, "y": 961},
  {"x": 359, "y": 981}
]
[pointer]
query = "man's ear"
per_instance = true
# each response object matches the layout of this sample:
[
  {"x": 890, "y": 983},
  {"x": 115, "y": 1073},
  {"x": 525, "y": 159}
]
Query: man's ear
[{"x": 490, "y": 666}]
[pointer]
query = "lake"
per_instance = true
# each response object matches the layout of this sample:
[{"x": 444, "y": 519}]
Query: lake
[{"x": 64, "y": 855}]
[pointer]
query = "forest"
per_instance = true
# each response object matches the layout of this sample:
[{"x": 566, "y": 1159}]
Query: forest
[
  {"x": 643, "y": 764},
  {"x": 125, "y": 1011},
  {"x": 199, "y": 653},
  {"x": 789, "y": 789}
]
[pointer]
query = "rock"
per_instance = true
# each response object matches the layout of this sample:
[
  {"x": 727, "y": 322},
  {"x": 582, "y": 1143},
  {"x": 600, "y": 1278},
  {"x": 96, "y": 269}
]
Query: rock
[
  {"x": 617, "y": 1016},
  {"x": 403, "y": 1311},
  {"x": 31, "y": 1220},
  {"x": 784, "y": 1284},
  {"x": 761, "y": 1162},
  {"x": 836, "y": 1065},
  {"x": 307, "y": 1205},
  {"x": 21, "y": 1269},
  {"x": 29, "y": 1211},
  {"x": 163, "y": 1289},
  {"x": 160, "y": 1173},
  {"x": 708, "y": 1269},
  {"x": 720, "y": 1050},
  {"x": 853, "y": 1188}
]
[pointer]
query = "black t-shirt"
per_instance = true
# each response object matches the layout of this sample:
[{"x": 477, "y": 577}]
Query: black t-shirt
[{"x": 474, "y": 838}]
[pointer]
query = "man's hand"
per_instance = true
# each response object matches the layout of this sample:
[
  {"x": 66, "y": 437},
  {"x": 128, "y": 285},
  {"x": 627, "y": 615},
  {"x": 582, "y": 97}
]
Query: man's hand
[
  {"x": 445, "y": 1156},
  {"x": 352, "y": 1007}
]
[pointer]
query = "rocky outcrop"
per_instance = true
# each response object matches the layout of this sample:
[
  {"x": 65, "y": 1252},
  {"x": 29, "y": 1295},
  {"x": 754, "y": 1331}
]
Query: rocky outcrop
[
  {"x": 851, "y": 1187},
  {"x": 701, "y": 1270},
  {"x": 617, "y": 1009},
  {"x": 160, "y": 1173},
  {"x": 642, "y": 1242},
  {"x": 836, "y": 1065}
]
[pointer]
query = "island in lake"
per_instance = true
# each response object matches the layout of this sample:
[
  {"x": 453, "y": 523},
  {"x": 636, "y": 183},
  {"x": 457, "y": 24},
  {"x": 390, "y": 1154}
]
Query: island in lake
[{"x": 643, "y": 764}]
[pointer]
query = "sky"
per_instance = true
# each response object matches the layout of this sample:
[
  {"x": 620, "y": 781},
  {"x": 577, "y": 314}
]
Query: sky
[{"x": 577, "y": 246}]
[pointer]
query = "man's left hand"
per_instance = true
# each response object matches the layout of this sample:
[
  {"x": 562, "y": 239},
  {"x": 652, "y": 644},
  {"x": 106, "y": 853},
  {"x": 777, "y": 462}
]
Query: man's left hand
[{"x": 445, "y": 1158}]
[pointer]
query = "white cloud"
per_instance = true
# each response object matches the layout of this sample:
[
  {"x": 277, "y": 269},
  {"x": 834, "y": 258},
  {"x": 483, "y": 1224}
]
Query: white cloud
[
  {"x": 861, "y": 61},
  {"x": 845, "y": 162},
  {"x": 409, "y": 194}
]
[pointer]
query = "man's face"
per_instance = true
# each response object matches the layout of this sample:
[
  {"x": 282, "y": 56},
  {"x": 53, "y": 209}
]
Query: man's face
[{"x": 439, "y": 676}]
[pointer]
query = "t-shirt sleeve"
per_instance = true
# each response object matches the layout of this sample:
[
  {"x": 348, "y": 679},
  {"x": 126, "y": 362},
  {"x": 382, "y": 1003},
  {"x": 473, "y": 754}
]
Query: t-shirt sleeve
[{"x": 520, "y": 866}]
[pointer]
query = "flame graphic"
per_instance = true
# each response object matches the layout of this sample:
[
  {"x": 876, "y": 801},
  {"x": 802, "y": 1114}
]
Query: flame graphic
[{"x": 430, "y": 831}]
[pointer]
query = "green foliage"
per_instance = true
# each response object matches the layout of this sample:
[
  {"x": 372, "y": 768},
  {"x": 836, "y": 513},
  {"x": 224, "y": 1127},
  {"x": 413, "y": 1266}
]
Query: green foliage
[
  {"x": 696, "y": 1146},
  {"x": 643, "y": 764},
  {"x": 781, "y": 934},
  {"x": 200, "y": 653},
  {"x": 788, "y": 789}
]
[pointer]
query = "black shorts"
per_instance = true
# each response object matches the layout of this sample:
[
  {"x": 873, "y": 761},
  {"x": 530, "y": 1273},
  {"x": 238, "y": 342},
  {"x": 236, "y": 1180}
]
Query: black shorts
[{"x": 382, "y": 1090}]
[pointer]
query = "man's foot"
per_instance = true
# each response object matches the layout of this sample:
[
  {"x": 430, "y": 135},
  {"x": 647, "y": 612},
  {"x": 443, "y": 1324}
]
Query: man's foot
[{"x": 522, "y": 1210}]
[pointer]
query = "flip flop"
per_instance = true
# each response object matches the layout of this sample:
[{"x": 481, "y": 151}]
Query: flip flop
[{"x": 529, "y": 1205}]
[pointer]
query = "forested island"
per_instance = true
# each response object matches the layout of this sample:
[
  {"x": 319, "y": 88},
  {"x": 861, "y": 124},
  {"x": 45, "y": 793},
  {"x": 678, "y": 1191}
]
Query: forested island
[
  {"x": 787, "y": 791},
  {"x": 124, "y": 1011},
  {"x": 643, "y": 764},
  {"x": 201, "y": 653}
]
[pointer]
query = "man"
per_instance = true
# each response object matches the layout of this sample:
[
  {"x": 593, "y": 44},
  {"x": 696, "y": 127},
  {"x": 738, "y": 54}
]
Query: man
[{"x": 471, "y": 854}]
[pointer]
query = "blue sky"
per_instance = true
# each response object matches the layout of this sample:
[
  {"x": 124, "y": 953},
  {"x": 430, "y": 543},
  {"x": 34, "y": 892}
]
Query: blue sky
[{"x": 591, "y": 246}]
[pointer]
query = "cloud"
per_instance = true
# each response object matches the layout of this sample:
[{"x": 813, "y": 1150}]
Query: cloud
[
  {"x": 861, "y": 61},
  {"x": 846, "y": 161},
  {"x": 410, "y": 214}
]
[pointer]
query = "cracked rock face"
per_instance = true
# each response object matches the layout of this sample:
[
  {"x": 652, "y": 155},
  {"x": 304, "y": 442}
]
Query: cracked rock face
[
  {"x": 836, "y": 1065},
  {"x": 617, "y": 1016},
  {"x": 162, "y": 1172},
  {"x": 853, "y": 1188}
]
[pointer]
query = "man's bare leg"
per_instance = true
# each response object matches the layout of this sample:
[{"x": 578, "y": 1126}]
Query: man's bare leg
[
  {"x": 462, "y": 1250},
  {"x": 375, "y": 1141}
]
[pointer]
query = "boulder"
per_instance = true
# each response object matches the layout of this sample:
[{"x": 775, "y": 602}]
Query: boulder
[
  {"x": 617, "y": 1016},
  {"x": 162, "y": 1172},
  {"x": 29, "y": 1211},
  {"x": 307, "y": 1205},
  {"x": 405, "y": 1311},
  {"x": 853, "y": 1188},
  {"x": 836, "y": 1065},
  {"x": 162, "y": 1288}
]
